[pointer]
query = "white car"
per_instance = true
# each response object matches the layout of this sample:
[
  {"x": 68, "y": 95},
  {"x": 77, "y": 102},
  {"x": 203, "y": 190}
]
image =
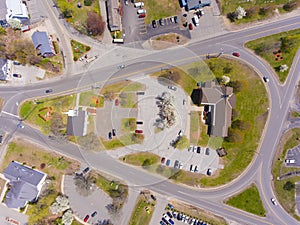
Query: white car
[
  {"x": 138, "y": 4},
  {"x": 290, "y": 161},
  {"x": 266, "y": 79},
  {"x": 273, "y": 200},
  {"x": 180, "y": 133},
  {"x": 173, "y": 88}
]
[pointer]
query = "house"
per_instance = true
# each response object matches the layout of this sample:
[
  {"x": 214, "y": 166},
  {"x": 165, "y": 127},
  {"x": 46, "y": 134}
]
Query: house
[
  {"x": 17, "y": 10},
  {"x": 77, "y": 122},
  {"x": 113, "y": 14},
  {"x": 194, "y": 4},
  {"x": 43, "y": 43},
  {"x": 25, "y": 184},
  {"x": 218, "y": 101}
]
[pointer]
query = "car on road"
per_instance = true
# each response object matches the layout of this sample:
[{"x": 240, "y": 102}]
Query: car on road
[
  {"x": 173, "y": 88},
  {"x": 180, "y": 133},
  {"x": 273, "y": 200},
  {"x": 114, "y": 132},
  {"x": 139, "y": 122},
  {"x": 236, "y": 54},
  {"x": 94, "y": 214},
  {"x": 207, "y": 151},
  {"x": 20, "y": 125},
  {"x": 138, "y": 4},
  {"x": 138, "y": 131},
  {"x": 266, "y": 79},
  {"x": 49, "y": 91},
  {"x": 168, "y": 162},
  {"x": 17, "y": 75},
  {"x": 154, "y": 24},
  {"x": 163, "y": 159},
  {"x": 191, "y": 168},
  {"x": 190, "y": 26},
  {"x": 86, "y": 218}
]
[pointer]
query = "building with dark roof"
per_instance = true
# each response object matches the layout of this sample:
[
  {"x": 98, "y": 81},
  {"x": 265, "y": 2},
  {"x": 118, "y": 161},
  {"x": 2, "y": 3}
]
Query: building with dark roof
[
  {"x": 113, "y": 14},
  {"x": 219, "y": 101},
  {"x": 25, "y": 184},
  {"x": 77, "y": 123},
  {"x": 43, "y": 43}
]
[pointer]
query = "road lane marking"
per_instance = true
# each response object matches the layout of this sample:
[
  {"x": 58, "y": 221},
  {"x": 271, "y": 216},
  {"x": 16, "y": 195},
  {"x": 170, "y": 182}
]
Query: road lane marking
[{"x": 10, "y": 114}]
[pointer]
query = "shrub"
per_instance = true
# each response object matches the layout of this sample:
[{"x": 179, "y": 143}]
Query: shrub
[
  {"x": 75, "y": 58},
  {"x": 88, "y": 2},
  {"x": 290, "y": 6}
]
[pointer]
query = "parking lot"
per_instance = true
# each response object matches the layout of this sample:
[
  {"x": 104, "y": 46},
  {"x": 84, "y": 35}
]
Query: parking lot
[{"x": 293, "y": 157}]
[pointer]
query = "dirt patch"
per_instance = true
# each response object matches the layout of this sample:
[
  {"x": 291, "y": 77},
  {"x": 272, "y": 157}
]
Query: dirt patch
[{"x": 167, "y": 41}]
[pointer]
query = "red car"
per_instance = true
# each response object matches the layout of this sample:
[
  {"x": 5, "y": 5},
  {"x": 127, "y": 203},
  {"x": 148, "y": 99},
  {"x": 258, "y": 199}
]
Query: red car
[
  {"x": 163, "y": 159},
  {"x": 142, "y": 15},
  {"x": 116, "y": 102},
  {"x": 86, "y": 218},
  {"x": 138, "y": 131},
  {"x": 236, "y": 54},
  {"x": 191, "y": 26}
]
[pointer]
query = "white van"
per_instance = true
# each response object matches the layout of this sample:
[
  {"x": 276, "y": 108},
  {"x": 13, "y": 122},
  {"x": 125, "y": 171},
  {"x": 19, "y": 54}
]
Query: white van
[
  {"x": 139, "y": 4},
  {"x": 196, "y": 20},
  {"x": 141, "y": 11}
]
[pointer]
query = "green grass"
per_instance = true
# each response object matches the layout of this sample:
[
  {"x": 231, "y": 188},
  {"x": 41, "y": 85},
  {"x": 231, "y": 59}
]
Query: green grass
[
  {"x": 139, "y": 215},
  {"x": 249, "y": 201},
  {"x": 78, "y": 49},
  {"x": 29, "y": 110},
  {"x": 264, "y": 47},
  {"x": 286, "y": 198},
  {"x": 295, "y": 114},
  {"x": 194, "y": 127},
  {"x": 183, "y": 143},
  {"x": 89, "y": 98},
  {"x": 79, "y": 15},
  {"x": 138, "y": 159},
  {"x": 123, "y": 86},
  {"x": 128, "y": 125},
  {"x": 128, "y": 100},
  {"x": 161, "y": 9}
]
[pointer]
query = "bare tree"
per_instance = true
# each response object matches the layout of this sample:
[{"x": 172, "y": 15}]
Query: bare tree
[
  {"x": 95, "y": 23},
  {"x": 84, "y": 184}
]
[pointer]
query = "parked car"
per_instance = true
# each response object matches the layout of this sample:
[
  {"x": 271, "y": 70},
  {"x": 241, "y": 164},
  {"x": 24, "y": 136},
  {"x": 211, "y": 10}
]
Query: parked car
[
  {"x": 164, "y": 220},
  {"x": 180, "y": 133},
  {"x": 169, "y": 214},
  {"x": 172, "y": 19},
  {"x": 138, "y": 4},
  {"x": 17, "y": 75},
  {"x": 139, "y": 122},
  {"x": 94, "y": 214},
  {"x": 153, "y": 197},
  {"x": 49, "y": 91},
  {"x": 191, "y": 168},
  {"x": 142, "y": 15},
  {"x": 170, "y": 206},
  {"x": 196, "y": 169},
  {"x": 171, "y": 221},
  {"x": 86, "y": 218},
  {"x": 141, "y": 11},
  {"x": 109, "y": 135},
  {"x": 154, "y": 23},
  {"x": 176, "y": 166},
  {"x": 198, "y": 149},
  {"x": 266, "y": 79},
  {"x": 116, "y": 102},
  {"x": 175, "y": 19},
  {"x": 162, "y": 223},
  {"x": 236, "y": 54},
  {"x": 196, "y": 20},
  {"x": 138, "y": 131},
  {"x": 161, "y": 22},
  {"x": 173, "y": 88},
  {"x": 209, "y": 172},
  {"x": 86, "y": 170},
  {"x": 207, "y": 151},
  {"x": 126, "y": 2},
  {"x": 190, "y": 149},
  {"x": 168, "y": 162},
  {"x": 190, "y": 26},
  {"x": 114, "y": 132},
  {"x": 16, "y": 63},
  {"x": 195, "y": 149},
  {"x": 273, "y": 200},
  {"x": 163, "y": 159}
]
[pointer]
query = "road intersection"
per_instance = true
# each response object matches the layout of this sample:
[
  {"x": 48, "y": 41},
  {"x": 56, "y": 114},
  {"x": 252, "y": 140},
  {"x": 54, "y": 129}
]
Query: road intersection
[{"x": 211, "y": 199}]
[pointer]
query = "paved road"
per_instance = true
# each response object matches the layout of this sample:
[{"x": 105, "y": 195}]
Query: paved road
[{"x": 259, "y": 171}]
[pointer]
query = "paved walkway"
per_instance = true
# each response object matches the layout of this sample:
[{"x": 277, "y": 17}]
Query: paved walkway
[{"x": 158, "y": 210}]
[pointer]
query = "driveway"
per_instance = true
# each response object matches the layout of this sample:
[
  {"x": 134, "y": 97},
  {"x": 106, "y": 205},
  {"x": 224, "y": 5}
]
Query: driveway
[{"x": 11, "y": 214}]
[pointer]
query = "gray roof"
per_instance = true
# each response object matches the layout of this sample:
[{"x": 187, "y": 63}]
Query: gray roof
[
  {"x": 76, "y": 125},
  {"x": 41, "y": 41},
  {"x": 193, "y": 4},
  {"x": 221, "y": 100},
  {"x": 24, "y": 184},
  {"x": 114, "y": 18}
]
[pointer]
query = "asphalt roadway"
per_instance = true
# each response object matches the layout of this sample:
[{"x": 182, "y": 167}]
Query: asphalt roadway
[{"x": 211, "y": 199}]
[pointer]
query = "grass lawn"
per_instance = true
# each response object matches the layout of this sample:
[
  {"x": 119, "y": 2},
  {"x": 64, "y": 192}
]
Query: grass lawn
[
  {"x": 251, "y": 108},
  {"x": 139, "y": 159},
  {"x": 142, "y": 212},
  {"x": 48, "y": 162},
  {"x": 249, "y": 201},
  {"x": 286, "y": 197},
  {"x": 30, "y": 110},
  {"x": 78, "y": 49},
  {"x": 122, "y": 86},
  {"x": 161, "y": 9},
  {"x": 1, "y": 104},
  {"x": 200, "y": 214},
  {"x": 194, "y": 127},
  {"x": 266, "y": 48},
  {"x": 89, "y": 98},
  {"x": 253, "y": 8},
  {"x": 128, "y": 100},
  {"x": 79, "y": 15},
  {"x": 295, "y": 114}
]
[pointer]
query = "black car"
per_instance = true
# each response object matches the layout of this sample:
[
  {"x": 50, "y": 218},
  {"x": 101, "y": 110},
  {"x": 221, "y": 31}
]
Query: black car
[
  {"x": 1, "y": 139},
  {"x": 198, "y": 149},
  {"x": 169, "y": 214},
  {"x": 94, "y": 214},
  {"x": 153, "y": 197},
  {"x": 154, "y": 24},
  {"x": 161, "y": 22},
  {"x": 176, "y": 19},
  {"x": 114, "y": 132},
  {"x": 109, "y": 135},
  {"x": 86, "y": 170},
  {"x": 49, "y": 91}
]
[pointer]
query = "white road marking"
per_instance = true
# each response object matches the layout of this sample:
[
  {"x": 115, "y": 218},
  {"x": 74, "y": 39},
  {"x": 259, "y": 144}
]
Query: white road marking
[{"x": 10, "y": 114}]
